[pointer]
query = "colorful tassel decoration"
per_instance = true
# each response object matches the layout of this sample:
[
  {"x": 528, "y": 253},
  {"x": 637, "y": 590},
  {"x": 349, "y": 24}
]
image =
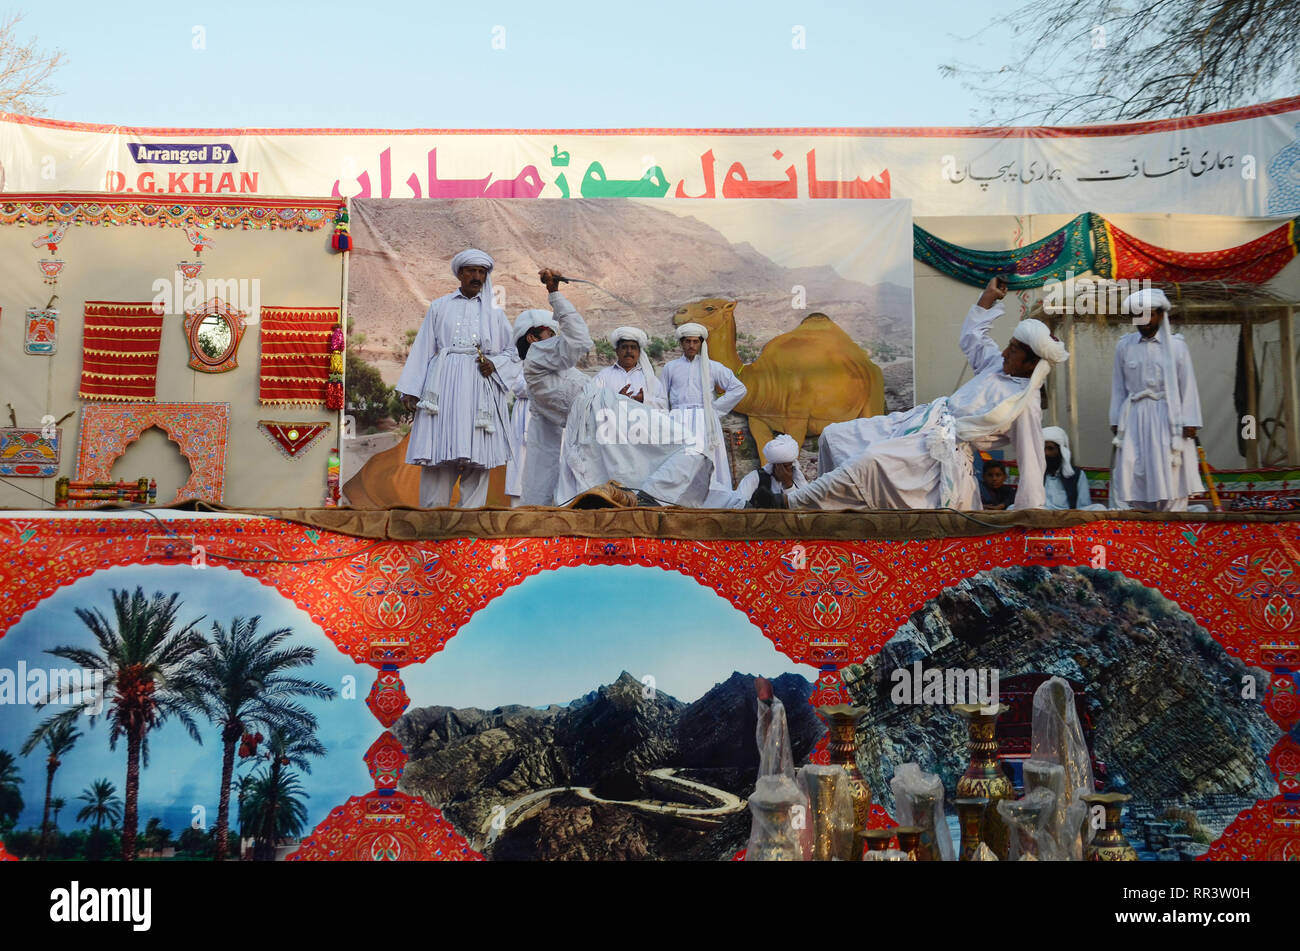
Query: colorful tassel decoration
[{"x": 342, "y": 240}]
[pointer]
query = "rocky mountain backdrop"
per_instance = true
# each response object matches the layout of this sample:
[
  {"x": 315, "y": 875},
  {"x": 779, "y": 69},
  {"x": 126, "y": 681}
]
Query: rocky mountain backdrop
[
  {"x": 468, "y": 761},
  {"x": 1169, "y": 723},
  {"x": 649, "y": 261}
]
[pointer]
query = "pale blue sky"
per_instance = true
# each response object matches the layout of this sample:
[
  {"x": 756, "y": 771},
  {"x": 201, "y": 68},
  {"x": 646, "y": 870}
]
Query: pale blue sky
[{"x": 565, "y": 65}]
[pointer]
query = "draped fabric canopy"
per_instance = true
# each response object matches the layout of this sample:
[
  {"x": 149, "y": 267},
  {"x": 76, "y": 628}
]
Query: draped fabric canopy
[{"x": 1066, "y": 249}]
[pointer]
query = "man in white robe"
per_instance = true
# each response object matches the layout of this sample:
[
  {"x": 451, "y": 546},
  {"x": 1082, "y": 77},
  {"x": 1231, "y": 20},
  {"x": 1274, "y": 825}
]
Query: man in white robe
[
  {"x": 780, "y": 473},
  {"x": 922, "y": 458},
  {"x": 686, "y": 381},
  {"x": 452, "y": 386},
  {"x": 1066, "y": 487},
  {"x": 631, "y": 374},
  {"x": 514, "y": 377},
  {"x": 1155, "y": 411},
  {"x": 582, "y": 435}
]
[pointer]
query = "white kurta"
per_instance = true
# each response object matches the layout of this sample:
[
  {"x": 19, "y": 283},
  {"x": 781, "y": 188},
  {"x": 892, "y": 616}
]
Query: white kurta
[
  {"x": 746, "y": 486},
  {"x": 453, "y": 327},
  {"x": 680, "y": 382},
  {"x": 1143, "y": 470},
  {"x": 513, "y": 375},
  {"x": 886, "y": 462},
  {"x": 1056, "y": 497},
  {"x": 553, "y": 384},
  {"x": 615, "y": 378}
]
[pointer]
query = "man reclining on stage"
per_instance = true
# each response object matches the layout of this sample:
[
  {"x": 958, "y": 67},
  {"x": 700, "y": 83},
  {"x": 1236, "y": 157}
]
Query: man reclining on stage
[{"x": 921, "y": 458}]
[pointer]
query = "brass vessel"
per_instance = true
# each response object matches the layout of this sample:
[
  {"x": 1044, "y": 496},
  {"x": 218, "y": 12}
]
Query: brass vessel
[
  {"x": 842, "y": 745},
  {"x": 1109, "y": 844},
  {"x": 970, "y": 816},
  {"x": 927, "y": 849},
  {"x": 909, "y": 841},
  {"x": 878, "y": 839},
  {"x": 984, "y": 777}
]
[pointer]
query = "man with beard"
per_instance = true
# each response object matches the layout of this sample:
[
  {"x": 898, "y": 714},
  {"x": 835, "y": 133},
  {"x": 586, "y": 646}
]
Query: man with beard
[
  {"x": 1066, "y": 486},
  {"x": 631, "y": 374},
  {"x": 1155, "y": 412},
  {"x": 451, "y": 385}
]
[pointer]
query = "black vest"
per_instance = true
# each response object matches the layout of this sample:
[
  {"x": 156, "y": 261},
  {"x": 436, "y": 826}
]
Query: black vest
[{"x": 1071, "y": 487}]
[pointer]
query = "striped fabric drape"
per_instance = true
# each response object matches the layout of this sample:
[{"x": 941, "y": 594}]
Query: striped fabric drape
[
  {"x": 120, "y": 351},
  {"x": 296, "y": 354}
]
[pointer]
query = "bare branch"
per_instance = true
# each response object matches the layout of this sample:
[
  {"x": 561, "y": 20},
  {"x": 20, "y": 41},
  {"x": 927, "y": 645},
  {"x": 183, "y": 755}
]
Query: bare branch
[{"x": 25, "y": 69}]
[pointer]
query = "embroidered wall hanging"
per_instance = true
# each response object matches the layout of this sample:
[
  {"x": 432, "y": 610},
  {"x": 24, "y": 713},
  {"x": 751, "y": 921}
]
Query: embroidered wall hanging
[
  {"x": 120, "y": 351},
  {"x": 1048, "y": 259},
  {"x": 32, "y": 453},
  {"x": 1120, "y": 255},
  {"x": 292, "y": 438},
  {"x": 41, "y": 337},
  {"x": 200, "y": 429},
  {"x": 46, "y": 211},
  {"x": 296, "y": 354}
]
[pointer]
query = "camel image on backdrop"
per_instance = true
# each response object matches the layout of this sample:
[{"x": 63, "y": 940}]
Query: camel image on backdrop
[
  {"x": 823, "y": 293},
  {"x": 802, "y": 380}
]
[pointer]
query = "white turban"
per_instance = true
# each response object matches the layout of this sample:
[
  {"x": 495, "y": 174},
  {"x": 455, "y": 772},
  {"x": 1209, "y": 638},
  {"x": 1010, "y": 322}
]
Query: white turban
[
  {"x": 629, "y": 333},
  {"x": 1057, "y": 435},
  {"x": 693, "y": 330},
  {"x": 1145, "y": 301},
  {"x": 537, "y": 317},
  {"x": 1035, "y": 335},
  {"x": 781, "y": 448},
  {"x": 471, "y": 257},
  {"x": 650, "y": 387}
]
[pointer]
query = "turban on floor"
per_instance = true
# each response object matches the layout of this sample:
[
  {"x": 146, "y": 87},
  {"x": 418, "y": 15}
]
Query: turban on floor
[
  {"x": 1057, "y": 435},
  {"x": 537, "y": 317},
  {"x": 643, "y": 361},
  {"x": 693, "y": 330},
  {"x": 781, "y": 448}
]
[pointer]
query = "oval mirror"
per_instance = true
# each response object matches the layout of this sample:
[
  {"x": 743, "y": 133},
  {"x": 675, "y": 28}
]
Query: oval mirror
[{"x": 215, "y": 338}]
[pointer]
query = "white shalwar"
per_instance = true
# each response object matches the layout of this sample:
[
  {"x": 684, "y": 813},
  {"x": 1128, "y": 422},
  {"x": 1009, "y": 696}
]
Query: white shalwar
[
  {"x": 615, "y": 378},
  {"x": 465, "y": 433},
  {"x": 1143, "y": 475},
  {"x": 746, "y": 486},
  {"x": 513, "y": 374},
  {"x": 680, "y": 380},
  {"x": 897, "y": 461}
]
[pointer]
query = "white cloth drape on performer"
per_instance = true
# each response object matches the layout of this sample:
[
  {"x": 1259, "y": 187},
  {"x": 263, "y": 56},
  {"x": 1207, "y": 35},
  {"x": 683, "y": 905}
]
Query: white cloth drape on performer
[
  {"x": 615, "y": 378},
  {"x": 746, "y": 486},
  {"x": 553, "y": 384},
  {"x": 453, "y": 327},
  {"x": 887, "y": 462},
  {"x": 1143, "y": 471},
  {"x": 681, "y": 383},
  {"x": 513, "y": 375}
]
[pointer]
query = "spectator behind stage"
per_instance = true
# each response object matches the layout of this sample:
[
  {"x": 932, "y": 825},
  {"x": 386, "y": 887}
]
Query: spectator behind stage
[
  {"x": 1066, "y": 486},
  {"x": 995, "y": 494}
]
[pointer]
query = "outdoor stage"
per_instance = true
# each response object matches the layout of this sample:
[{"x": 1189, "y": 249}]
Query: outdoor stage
[{"x": 392, "y": 588}]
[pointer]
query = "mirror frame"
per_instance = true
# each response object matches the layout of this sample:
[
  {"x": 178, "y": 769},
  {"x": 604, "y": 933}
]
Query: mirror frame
[{"x": 235, "y": 319}]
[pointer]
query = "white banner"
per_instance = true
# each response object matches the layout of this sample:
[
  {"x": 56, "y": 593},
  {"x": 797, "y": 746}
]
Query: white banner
[{"x": 1242, "y": 163}]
